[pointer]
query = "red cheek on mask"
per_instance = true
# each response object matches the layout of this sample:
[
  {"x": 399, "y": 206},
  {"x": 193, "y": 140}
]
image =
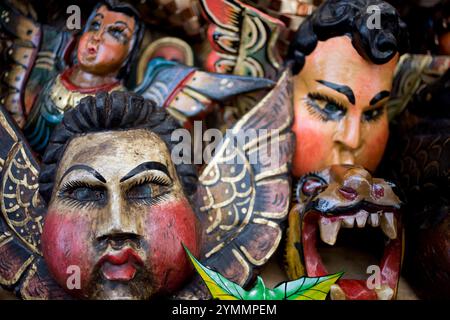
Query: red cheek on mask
[
  {"x": 374, "y": 149},
  {"x": 310, "y": 151},
  {"x": 66, "y": 248},
  {"x": 168, "y": 226}
]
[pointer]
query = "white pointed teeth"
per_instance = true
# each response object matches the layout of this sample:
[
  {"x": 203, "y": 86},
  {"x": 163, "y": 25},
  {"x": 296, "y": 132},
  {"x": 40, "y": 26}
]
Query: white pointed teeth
[
  {"x": 348, "y": 221},
  {"x": 329, "y": 227},
  {"x": 329, "y": 230},
  {"x": 384, "y": 293},
  {"x": 374, "y": 219},
  {"x": 361, "y": 218},
  {"x": 389, "y": 224},
  {"x": 336, "y": 293}
]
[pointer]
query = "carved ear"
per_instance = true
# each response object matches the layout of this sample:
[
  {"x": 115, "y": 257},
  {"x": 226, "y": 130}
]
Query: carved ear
[
  {"x": 22, "y": 267},
  {"x": 243, "y": 199}
]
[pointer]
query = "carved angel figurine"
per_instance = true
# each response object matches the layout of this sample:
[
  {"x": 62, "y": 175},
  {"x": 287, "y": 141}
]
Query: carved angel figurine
[
  {"x": 108, "y": 202},
  {"x": 42, "y": 81}
]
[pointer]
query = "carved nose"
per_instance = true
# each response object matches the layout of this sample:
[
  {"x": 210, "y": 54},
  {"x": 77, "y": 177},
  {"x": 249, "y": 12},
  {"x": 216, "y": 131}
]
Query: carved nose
[
  {"x": 119, "y": 240},
  {"x": 96, "y": 37},
  {"x": 117, "y": 222},
  {"x": 349, "y": 134}
]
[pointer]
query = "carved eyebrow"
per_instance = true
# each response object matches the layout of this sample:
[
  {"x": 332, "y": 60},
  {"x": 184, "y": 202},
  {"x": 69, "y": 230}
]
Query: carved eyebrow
[
  {"x": 92, "y": 171},
  {"x": 379, "y": 96},
  {"x": 345, "y": 90},
  {"x": 146, "y": 166},
  {"x": 99, "y": 15}
]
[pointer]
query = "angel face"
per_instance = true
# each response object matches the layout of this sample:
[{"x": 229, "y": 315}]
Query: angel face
[
  {"x": 171, "y": 53},
  {"x": 107, "y": 42},
  {"x": 119, "y": 213},
  {"x": 340, "y": 113}
]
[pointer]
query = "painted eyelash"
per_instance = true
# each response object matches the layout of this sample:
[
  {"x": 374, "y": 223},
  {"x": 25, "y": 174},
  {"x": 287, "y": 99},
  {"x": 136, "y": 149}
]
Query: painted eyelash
[
  {"x": 94, "y": 24},
  {"x": 312, "y": 109},
  {"x": 378, "y": 116},
  {"x": 315, "y": 110},
  {"x": 121, "y": 37},
  {"x": 153, "y": 201},
  {"x": 160, "y": 181},
  {"x": 153, "y": 179},
  {"x": 72, "y": 185},
  {"x": 77, "y": 204},
  {"x": 74, "y": 203},
  {"x": 118, "y": 29},
  {"x": 321, "y": 97}
]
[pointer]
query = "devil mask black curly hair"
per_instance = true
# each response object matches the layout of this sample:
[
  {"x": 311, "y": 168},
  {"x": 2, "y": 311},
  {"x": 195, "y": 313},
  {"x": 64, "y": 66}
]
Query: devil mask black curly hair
[{"x": 336, "y": 18}]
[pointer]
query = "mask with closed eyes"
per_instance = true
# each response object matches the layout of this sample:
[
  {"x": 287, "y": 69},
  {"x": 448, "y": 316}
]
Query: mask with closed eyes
[
  {"x": 119, "y": 212},
  {"x": 107, "y": 212}
]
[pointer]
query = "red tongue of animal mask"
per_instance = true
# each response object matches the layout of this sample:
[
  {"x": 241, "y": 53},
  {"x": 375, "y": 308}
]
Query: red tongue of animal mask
[{"x": 344, "y": 216}]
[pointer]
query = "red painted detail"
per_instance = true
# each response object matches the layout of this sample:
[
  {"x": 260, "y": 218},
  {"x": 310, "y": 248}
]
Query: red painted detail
[
  {"x": 120, "y": 265},
  {"x": 215, "y": 63},
  {"x": 314, "y": 265},
  {"x": 169, "y": 225},
  {"x": 348, "y": 193},
  {"x": 211, "y": 33},
  {"x": 178, "y": 88},
  {"x": 378, "y": 191},
  {"x": 65, "y": 80},
  {"x": 390, "y": 264},
  {"x": 356, "y": 290},
  {"x": 68, "y": 50},
  {"x": 311, "y": 186},
  {"x": 219, "y": 12},
  {"x": 66, "y": 241}
]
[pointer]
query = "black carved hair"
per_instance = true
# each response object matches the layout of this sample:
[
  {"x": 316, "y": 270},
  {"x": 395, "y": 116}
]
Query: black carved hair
[
  {"x": 336, "y": 18},
  {"x": 129, "y": 10},
  {"x": 111, "y": 112}
]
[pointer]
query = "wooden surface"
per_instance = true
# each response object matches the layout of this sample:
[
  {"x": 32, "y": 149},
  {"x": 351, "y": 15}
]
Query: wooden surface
[{"x": 5, "y": 295}]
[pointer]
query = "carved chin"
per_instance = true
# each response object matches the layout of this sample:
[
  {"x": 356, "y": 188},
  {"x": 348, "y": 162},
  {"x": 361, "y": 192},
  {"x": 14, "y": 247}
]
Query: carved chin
[
  {"x": 139, "y": 288},
  {"x": 93, "y": 67},
  {"x": 157, "y": 265}
]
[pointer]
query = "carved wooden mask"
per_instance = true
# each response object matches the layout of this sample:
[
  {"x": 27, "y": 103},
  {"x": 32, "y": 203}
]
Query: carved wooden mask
[
  {"x": 340, "y": 113},
  {"x": 119, "y": 213}
]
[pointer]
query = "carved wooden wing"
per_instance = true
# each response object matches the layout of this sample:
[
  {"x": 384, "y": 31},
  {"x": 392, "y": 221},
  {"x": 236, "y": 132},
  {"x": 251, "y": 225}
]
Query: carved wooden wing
[
  {"x": 243, "y": 39},
  {"x": 412, "y": 75},
  {"x": 188, "y": 93},
  {"x": 30, "y": 54},
  {"x": 245, "y": 190},
  {"x": 22, "y": 267}
]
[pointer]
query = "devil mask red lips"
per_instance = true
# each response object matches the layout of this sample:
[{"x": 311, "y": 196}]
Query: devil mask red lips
[{"x": 347, "y": 221}]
